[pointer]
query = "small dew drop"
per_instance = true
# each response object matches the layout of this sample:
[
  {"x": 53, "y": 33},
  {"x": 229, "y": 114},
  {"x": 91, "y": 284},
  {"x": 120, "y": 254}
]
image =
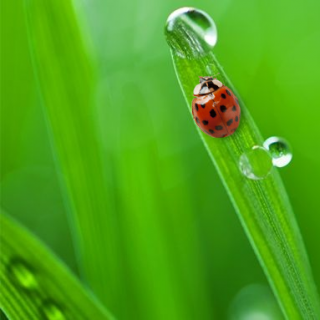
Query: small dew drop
[
  {"x": 22, "y": 274},
  {"x": 191, "y": 32},
  {"x": 256, "y": 163},
  {"x": 52, "y": 311},
  {"x": 280, "y": 151}
]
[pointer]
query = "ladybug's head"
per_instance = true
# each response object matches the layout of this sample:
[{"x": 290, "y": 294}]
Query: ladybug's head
[
  {"x": 204, "y": 79},
  {"x": 207, "y": 85}
]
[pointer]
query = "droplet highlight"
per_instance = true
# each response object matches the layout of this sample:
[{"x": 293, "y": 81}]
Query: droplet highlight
[
  {"x": 190, "y": 32},
  {"x": 256, "y": 163},
  {"x": 52, "y": 311},
  {"x": 279, "y": 150},
  {"x": 22, "y": 274}
]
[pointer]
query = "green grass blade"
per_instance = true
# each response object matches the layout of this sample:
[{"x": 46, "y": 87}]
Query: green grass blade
[
  {"x": 35, "y": 284},
  {"x": 262, "y": 206},
  {"x": 67, "y": 80},
  {"x": 16, "y": 72},
  {"x": 26, "y": 157}
]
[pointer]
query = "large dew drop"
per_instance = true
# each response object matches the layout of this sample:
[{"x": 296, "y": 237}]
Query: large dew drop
[
  {"x": 256, "y": 163},
  {"x": 190, "y": 32},
  {"x": 280, "y": 151}
]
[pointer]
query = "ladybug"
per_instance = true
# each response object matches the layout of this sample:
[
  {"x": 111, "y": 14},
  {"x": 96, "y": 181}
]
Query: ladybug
[{"x": 215, "y": 109}]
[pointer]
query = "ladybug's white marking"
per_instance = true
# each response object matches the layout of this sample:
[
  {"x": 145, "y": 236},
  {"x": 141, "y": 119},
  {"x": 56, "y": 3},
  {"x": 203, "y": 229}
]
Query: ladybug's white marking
[
  {"x": 197, "y": 89},
  {"x": 205, "y": 99},
  {"x": 204, "y": 89},
  {"x": 217, "y": 83}
]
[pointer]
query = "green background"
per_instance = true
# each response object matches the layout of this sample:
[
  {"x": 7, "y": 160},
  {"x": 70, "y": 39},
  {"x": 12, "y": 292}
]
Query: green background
[{"x": 184, "y": 253}]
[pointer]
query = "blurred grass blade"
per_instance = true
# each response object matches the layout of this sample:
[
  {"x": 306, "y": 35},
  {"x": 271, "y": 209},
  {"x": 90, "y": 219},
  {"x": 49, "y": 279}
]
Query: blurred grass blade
[
  {"x": 16, "y": 72},
  {"x": 67, "y": 81},
  {"x": 35, "y": 284},
  {"x": 263, "y": 206}
]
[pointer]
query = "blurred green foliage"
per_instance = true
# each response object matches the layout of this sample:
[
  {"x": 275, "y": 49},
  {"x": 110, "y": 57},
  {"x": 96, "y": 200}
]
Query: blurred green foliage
[
  {"x": 36, "y": 285},
  {"x": 183, "y": 252}
]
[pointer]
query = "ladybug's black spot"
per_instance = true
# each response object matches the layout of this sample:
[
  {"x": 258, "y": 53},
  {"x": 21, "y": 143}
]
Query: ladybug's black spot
[
  {"x": 212, "y": 113},
  {"x": 228, "y": 92},
  {"x": 205, "y": 122},
  {"x": 219, "y": 128},
  {"x": 197, "y": 119},
  {"x": 229, "y": 122},
  {"x": 236, "y": 119},
  {"x": 211, "y": 131},
  {"x": 196, "y": 106},
  {"x": 203, "y": 105},
  {"x": 234, "y": 108},
  {"x": 223, "y": 96},
  {"x": 223, "y": 108}
]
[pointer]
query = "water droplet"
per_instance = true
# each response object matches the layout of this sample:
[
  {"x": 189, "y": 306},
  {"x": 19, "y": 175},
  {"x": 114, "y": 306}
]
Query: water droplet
[
  {"x": 256, "y": 163},
  {"x": 22, "y": 274},
  {"x": 255, "y": 302},
  {"x": 191, "y": 32},
  {"x": 280, "y": 151},
  {"x": 52, "y": 311}
]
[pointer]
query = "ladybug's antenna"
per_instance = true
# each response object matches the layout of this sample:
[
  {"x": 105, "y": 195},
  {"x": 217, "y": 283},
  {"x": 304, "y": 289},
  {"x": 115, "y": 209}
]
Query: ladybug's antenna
[{"x": 212, "y": 76}]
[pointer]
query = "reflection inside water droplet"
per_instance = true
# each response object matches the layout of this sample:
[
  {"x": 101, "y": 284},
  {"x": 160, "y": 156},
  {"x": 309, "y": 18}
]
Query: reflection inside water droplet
[
  {"x": 191, "y": 32},
  {"x": 22, "y": 274},
  {"x": 256, "y": 163},
  {"x": 280, "y": 151},
  {"x": 52, "y": 311}
]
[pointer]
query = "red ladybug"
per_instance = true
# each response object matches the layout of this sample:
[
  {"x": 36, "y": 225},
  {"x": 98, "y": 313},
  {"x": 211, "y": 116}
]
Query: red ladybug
[{"x": 215, "y": 109}]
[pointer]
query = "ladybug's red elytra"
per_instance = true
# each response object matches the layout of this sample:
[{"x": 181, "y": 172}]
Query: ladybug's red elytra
[{"x": 215, "y": 109}]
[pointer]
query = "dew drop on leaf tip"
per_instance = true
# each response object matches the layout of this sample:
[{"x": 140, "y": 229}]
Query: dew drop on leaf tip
[{"x": 190, "y": 32}]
